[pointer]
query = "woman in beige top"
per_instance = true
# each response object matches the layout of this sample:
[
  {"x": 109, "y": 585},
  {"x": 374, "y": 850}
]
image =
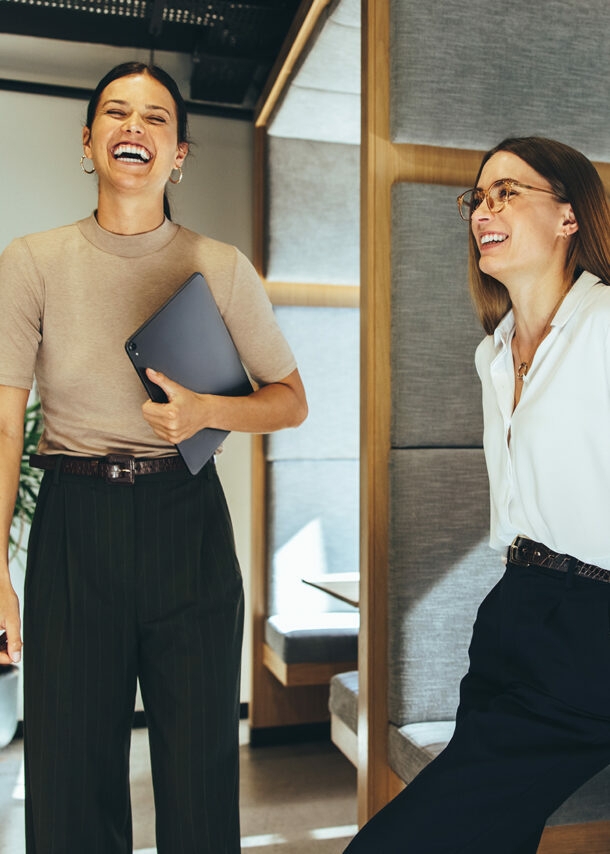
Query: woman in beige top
[{"x": 135, "y": 580}]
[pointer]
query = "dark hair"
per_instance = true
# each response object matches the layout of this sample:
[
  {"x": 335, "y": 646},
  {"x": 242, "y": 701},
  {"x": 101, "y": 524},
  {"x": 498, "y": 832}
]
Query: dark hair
[
  {"x": 574, "y": 179},
  {"x": 128, "y": 69}
]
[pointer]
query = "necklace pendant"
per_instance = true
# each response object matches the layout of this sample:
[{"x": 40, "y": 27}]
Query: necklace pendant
[{"x": 522, "y": 370}]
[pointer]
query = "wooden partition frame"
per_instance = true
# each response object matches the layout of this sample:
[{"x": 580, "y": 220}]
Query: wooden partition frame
[
  {"x": 383, "y": 164},
  {"x": 303, "y": 700}
]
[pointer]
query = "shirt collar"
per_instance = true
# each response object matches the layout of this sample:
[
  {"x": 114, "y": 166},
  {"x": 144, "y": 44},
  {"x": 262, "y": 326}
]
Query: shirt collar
[
  {"x": 505, "y": 329},
  {"x": 127, "y": 245}
]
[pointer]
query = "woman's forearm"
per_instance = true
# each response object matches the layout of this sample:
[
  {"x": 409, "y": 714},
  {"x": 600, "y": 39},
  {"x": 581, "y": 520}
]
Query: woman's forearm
[
  {"x": 13, "y": 402},
  {"x": 272, "y": 407}
]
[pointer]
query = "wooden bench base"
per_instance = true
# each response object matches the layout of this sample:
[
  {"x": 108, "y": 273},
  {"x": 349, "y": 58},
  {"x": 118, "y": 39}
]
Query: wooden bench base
[{"x": 303, "y": 673}]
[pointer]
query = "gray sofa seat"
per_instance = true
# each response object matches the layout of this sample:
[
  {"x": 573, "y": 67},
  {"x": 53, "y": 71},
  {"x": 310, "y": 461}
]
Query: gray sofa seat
[
  {"x": 328, "y": 636},
  {"x": 343, "y": 699},
  {"x": 412, "y": 746}
]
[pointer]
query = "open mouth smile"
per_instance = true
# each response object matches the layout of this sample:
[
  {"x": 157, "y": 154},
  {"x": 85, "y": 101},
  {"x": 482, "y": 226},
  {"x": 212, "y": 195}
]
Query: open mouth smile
[
  {"x": 492, "y": 238},
  {"x": 131, "y": 153}
]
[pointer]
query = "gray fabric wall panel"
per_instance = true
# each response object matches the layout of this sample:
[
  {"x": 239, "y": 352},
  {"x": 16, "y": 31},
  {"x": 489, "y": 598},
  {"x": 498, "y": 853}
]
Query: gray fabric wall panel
[
  {"x": 440, "y": 569},
  {"x": 318, "y": 114},
  {"x": 325, "y": 342},
  {"x": 314, "y": 208},
  {"x": 436, "y": 396},
  {"x": 323, "y": 99},
  {"x": 468, "y": 73},
  {"x": 312, "y": 529}
]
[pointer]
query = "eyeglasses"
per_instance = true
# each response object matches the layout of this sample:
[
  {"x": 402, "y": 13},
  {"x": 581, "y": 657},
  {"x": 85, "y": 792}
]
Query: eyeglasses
[{"x": 497, "y": 196}]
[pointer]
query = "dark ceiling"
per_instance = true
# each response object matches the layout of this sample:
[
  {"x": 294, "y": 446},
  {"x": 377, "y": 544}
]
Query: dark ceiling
[{"x": 233, "y": 45}]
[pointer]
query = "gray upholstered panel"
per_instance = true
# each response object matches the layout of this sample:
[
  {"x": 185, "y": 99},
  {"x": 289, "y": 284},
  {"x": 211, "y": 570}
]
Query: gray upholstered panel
[
  {"x": 326, "y": 343},
  {"x": 313, "y": 529},
  {"x": 331, "y": 636},
  {"x": 322, "y": 100},
  {"x": 343, "y": 699},
  {"x": 412, "y": 746},
  {"x": 589, "y": 803},
  {"x": 314, "y": 206},
  {"x": 469, "y": 72},
  {"x": 440, "y": 569},
  {"x": 436, "y": 395}
]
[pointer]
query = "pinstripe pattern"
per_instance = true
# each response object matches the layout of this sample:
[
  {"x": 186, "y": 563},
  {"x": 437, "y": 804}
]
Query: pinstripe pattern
[{"x": 126, "y": 582}]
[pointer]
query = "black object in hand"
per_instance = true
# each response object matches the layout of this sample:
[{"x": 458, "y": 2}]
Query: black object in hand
[{"x": 3, "y": 642}]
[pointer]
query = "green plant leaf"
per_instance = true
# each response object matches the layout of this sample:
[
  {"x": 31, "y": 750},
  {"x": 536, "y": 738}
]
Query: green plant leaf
[{"x": 29, "y": 481}]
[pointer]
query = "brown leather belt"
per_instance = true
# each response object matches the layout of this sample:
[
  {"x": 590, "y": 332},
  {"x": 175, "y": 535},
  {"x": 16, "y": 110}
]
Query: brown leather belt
[
  {"x": 528, "y": 553},
  {"x": 115, "y": 468}
]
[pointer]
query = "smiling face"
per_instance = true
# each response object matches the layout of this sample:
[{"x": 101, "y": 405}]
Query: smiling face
[
  {"x": 527, "y": 238},
  {"x": 133, "y": 140}
]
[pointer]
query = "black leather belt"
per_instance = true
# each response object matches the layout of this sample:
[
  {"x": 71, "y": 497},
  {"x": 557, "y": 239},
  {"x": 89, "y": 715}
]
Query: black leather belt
[
  {"x": 528, "y": 553},
  {"x": 115, "y": 468}
]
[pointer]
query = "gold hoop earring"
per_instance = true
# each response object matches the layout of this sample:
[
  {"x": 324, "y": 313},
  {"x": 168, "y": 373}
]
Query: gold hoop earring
[
  {"x": 179, "y": 178},
  {"x": 82, "y": 165}
]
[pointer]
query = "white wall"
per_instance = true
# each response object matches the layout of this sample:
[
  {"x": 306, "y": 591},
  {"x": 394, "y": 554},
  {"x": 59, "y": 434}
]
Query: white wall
[{"x": 42, "y": 186}]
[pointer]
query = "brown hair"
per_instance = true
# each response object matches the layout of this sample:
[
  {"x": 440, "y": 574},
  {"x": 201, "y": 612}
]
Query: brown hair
[{"x": 573, "y": 179}]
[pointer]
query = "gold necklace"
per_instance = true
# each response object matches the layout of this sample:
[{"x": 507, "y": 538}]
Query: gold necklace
[{"x": 523, "y": 365}]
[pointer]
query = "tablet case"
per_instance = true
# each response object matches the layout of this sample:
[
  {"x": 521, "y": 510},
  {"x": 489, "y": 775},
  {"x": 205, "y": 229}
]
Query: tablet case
[{"x": 187, "y": 340}]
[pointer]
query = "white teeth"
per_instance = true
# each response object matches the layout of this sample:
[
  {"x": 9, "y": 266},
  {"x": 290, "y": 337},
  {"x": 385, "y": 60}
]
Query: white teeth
[
  {"x": 131, "y": 152},
  {"x": 492, "y": 238}
]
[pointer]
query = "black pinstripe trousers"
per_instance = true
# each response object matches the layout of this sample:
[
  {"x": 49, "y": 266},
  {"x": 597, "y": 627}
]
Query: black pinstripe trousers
[
  {"x": 126, "y": 583},
  {"x": 533, "y": 724}
]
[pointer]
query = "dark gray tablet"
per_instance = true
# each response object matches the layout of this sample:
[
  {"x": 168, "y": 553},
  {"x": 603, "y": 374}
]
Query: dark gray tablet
[{"x": 187, "y": 340}]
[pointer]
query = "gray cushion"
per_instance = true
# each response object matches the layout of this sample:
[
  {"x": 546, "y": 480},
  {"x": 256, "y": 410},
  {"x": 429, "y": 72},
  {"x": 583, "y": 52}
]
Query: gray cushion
[
  {"x": 325, "y": 342},
  {"x": 440, "y": 568},
  {"x": 323, "y": 99},
  {"x": 411, "y": 747},
  {"x": 468, "y": 73},
  {"x": 314, "y": 212},
  {"x": 436, "y": 393},
  {"x": 343, "y": 700},
  {"x": 318, "y": 637}
]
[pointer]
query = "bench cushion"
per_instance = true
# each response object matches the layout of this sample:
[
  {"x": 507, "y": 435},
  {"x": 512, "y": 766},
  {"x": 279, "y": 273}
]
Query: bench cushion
[
  {"x": 343, "y": 699},
  {"x": 411, "y": 747},
  {"x": 328, "y": 636}
]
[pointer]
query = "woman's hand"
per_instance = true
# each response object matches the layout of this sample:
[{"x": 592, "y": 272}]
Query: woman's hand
[
  {"x": 181, "y": 417},
  {"x": 10, "y": 621},
  {"x": 274, "y": 406}
]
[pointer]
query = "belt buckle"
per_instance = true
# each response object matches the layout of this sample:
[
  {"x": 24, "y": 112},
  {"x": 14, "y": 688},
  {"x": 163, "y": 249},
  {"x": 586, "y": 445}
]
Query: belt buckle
[
  {"x": 120, "y": 469},
  {"x": 515, "y": 557}
]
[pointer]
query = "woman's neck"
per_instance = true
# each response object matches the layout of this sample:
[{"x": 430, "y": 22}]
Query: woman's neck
[
  {"x": 535, "y": 308},
  {"x": 121, "y": 214}
]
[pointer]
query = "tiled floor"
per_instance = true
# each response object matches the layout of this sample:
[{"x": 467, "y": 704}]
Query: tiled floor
[{"x": 295, "y": 799}]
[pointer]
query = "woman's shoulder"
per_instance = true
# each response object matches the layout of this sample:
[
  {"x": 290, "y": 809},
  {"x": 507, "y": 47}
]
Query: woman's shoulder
[
  {"x": 39, "y": 242},
  {"x": 208, "y": 245},
  {"x": 214, "y": 257},
  {"x": 594, "y": 295}
]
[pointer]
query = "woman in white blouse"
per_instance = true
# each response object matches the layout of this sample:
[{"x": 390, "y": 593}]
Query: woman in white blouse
[{"x": 534, "y": 717}]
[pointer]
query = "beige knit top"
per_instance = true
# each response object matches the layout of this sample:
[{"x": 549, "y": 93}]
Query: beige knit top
[{"x": 69, "y": 299}]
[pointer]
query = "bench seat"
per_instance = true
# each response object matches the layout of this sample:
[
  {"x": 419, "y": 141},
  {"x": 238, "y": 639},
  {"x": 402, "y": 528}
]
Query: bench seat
[
  {"x": 412, "y": 746},
  {"x": 309, "y": 649}
]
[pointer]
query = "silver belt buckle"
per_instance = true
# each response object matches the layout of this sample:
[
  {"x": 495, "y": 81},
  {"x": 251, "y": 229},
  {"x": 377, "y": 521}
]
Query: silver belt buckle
[{"x": 120, "y": 469}]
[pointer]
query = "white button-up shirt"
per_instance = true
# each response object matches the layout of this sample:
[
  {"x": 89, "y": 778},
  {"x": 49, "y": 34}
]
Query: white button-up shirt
[{"x": 549, "y": 458}]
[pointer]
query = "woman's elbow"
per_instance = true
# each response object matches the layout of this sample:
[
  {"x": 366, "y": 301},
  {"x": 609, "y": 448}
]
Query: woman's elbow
[{"x": 300, "y": 413}]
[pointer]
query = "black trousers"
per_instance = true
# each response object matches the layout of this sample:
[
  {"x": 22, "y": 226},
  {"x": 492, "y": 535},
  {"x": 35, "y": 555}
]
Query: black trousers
[
  {"x": 533, "y": 724},
  {"x": 125, "y": 583}
]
